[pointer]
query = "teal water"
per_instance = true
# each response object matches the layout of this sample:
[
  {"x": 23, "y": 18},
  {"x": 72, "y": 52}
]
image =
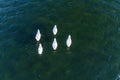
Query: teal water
[{"x": 93, "y": 24}]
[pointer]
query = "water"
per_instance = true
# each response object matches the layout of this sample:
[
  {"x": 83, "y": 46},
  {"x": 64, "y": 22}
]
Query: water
[{"x": 93, "y": 24}]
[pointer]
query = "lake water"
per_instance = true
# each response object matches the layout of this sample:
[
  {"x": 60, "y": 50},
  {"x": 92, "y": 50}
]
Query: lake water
[{"x": 93, "y": 24}]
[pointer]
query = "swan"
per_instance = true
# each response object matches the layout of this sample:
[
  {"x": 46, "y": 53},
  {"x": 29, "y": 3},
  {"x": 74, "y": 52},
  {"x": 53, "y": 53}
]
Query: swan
[
  {"x": 40, "y": 49},
  {"x": 38, "y": 35},
  {"x": 55, "y": 30},
  {"x": 69, "y": 41},
  {"x": 54, "y": 44}
]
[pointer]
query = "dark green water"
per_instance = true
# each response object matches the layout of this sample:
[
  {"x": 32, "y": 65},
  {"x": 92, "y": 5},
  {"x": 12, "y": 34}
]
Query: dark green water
[{"x": 93, "y": 24}]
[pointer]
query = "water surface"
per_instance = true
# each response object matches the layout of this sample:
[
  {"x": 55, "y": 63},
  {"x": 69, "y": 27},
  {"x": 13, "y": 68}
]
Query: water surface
[{"x": 93, "y": 24}]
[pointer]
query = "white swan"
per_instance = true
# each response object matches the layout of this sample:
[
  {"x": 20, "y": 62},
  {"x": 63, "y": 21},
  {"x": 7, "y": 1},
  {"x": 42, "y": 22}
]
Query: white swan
[
  {"x": 40, "y": 49},
  {"x": 54, "y": 44},
  {"x": 69, "y": 41},
  {"x": 55, "y": 30},
  {"x": 38, "y": 35}
]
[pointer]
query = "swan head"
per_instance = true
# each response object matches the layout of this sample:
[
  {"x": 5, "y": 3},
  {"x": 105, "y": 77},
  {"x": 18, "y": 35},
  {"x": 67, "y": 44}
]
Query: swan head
[{"x": 69, "y": 36}]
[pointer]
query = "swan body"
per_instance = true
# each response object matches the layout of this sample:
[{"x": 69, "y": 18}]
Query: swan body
[
  {"x": 54, "y": 44},
  {"x": 40, "y": 49},
  {"x": 69, "y": 41},
  {"x": 55, "y": 30},
  {"x": 38, "y": 35}
]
